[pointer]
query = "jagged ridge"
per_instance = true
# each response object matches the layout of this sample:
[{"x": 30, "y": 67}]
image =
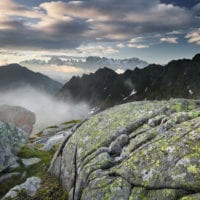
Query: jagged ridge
[{"x": 104, "y": 88}]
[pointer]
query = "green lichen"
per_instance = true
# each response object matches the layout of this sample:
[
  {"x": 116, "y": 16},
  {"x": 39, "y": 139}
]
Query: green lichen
[
  {"x": 157, "y": 158},
  {"x": 50, "y": 186},
  {"x": 192, "y": 169}
]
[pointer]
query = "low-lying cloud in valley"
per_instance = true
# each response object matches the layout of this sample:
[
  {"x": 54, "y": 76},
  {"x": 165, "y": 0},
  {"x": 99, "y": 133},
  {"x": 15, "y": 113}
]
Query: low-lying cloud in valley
[{"x": 48, "y": 110}]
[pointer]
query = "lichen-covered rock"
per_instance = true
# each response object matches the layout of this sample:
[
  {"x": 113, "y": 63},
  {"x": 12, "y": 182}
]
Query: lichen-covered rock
[
  {"x": 53, "y": 136},
  {"x": 17, "y": 116},
  {"x": 140, "y": 150},
  {"x": 11, "y": 141},
  {"x": 30, "y": 186}
]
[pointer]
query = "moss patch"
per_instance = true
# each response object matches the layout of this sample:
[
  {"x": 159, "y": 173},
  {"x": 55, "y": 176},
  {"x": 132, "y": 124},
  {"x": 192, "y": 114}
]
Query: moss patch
[{"x": 50, "y": 188}]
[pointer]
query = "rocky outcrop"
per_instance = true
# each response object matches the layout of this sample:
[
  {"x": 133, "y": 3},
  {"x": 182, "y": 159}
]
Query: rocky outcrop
[
  {"x": 15, "y": 127},
  {"x": 17, "y": 116},
  {"x": 141, "y": 150}
]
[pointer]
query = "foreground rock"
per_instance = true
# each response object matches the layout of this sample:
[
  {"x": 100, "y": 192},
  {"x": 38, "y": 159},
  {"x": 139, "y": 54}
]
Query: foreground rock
[
  {"x": 141, "y": 150},
  {"x": 15, "y": 127},
  {"x": 17, "y": 116},
  {"x": 11, "y": 141},
  {"x": 30, "y": 186}
]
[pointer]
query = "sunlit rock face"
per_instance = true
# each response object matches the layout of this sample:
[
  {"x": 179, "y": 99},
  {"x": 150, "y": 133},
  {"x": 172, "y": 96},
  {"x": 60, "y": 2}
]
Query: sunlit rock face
[
  {"x": 140, "y": 150},
  {"x": 18, "y": 116},
  {"x": 16, "y": 124}
]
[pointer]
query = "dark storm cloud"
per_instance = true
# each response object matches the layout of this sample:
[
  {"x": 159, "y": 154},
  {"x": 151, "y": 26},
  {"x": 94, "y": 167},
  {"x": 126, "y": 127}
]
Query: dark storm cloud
[
  {"x": 61, "y": 35},
  {"x": 182, "y": 3}
]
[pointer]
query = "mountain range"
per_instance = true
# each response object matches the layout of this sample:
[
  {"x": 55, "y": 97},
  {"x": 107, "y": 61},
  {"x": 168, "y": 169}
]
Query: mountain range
[
  {"x": 15, "y": 76},
  {"x": 90, "y": 63},
  {"x": 177, "y": 79},
  {"x": 105, "y": 87}
]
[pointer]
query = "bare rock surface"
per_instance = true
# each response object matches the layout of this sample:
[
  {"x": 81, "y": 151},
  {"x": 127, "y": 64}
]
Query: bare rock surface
[{"x": 140, "y": 150}]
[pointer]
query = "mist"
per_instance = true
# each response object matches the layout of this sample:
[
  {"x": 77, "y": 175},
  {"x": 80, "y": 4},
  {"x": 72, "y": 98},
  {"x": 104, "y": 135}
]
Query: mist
[{"x": 49, "y": 111}]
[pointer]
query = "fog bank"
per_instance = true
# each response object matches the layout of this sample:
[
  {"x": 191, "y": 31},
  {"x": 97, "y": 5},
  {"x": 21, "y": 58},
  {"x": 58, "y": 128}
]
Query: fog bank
[{"x": 48, "y": 110}]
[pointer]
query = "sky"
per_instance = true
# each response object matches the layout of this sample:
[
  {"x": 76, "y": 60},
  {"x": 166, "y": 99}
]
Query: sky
[{"x": 156, "y": 31}]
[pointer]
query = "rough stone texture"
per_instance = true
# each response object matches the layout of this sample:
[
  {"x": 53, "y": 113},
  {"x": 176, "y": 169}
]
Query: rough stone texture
[
  {"x": 17, "y": 116},
  {"x": 140, "y": 150},
  {"x": 53, "y": 136},
  {"x": 31, "y": 161},
  {"x": 31, "y": 186},
  {"x": 11, "y": 141}
]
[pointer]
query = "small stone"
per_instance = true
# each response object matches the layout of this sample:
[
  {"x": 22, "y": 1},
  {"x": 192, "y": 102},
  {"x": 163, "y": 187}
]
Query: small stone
[{"x": 31, "y": 161}]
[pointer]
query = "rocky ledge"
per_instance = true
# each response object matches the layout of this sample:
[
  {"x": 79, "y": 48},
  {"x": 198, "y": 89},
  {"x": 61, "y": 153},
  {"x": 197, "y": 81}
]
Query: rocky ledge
[{"x": 141, "y": 150}]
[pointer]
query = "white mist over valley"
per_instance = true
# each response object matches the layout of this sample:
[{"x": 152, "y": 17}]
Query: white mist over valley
[{"x": 48, "y": 110}]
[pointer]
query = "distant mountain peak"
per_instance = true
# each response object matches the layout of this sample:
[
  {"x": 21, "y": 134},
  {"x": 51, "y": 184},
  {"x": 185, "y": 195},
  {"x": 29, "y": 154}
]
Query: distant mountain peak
[
  {"x": 15, "y": 76},
  {"x": 16, "y": 65}
]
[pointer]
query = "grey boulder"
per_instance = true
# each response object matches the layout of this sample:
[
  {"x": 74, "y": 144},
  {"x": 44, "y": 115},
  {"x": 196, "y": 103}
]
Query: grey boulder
[{"x": 30, "y": 186}]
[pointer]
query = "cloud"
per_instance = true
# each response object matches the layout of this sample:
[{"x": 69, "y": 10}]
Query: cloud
[
  {"x": 182, "y": 3},
  {"x": 138, "y": 46},
  {"x": 175, "y": 32},
  {"x": 136, "y": 40},
  {"x": 98, "y": 50},
  {"x": 120, "y": 45},
  {"x": 74, "y": 24},
  {"x": 119, "y": 71},
  {"x": 171, "y": 40},
  {"x": 137, "y": 43},
  {"x": 194, "y": 36}
]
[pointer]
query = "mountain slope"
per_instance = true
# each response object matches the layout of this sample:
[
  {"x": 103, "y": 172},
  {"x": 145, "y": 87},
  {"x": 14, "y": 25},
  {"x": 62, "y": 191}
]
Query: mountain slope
[
  {"x": 177, "y": 79},
  {"x": 14, "y": 76},
  {"x": 181, "y": 78},
  {"x": 104, "y": 87}
]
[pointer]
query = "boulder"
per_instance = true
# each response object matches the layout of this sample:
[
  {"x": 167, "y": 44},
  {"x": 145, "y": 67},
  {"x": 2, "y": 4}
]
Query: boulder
[
  {"x": 140, "y": 150},
  {"x": 17, "y": 116},
  {"x": 12, "y": 139},
  {"x": 30, "y": 186},
  {"x": 16, "y": 124}
]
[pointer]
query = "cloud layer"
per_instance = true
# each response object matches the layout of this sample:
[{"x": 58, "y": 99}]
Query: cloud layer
[{"x": 71, "y": 24}]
